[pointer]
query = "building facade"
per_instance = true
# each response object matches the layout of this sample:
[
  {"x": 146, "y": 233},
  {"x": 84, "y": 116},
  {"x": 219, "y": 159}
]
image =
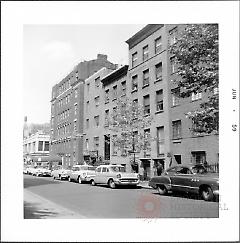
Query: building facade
[
  {"x": 36, "y": 149},
  {"x": 67, "y": 111}
]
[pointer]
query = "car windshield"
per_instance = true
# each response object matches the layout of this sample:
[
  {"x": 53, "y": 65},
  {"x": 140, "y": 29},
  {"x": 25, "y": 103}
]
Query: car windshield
[
  {"x": 118, "y": 169},
  {"x": 199, "y": 170}
]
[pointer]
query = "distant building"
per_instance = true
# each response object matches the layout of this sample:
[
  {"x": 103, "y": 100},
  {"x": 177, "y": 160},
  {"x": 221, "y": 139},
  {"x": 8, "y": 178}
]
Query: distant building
[
  {"x": 67, "y": 111},
  {"x": 36, "y": 149}
]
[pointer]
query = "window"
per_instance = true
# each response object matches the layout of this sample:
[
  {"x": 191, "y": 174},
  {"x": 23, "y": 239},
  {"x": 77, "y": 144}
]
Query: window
[
  {"x": 134, "y": 82},
  {"x": 99, "y": 169},
  {"x": 160, "y": 141},
  {"x": 177, "y": 129},
  {"x": 107, "y": 96},
  {"x": 75, "y": 109},
  {"x": 147, "y": 145},
  {"x": 40, "y": 145},
  {"x": 114, "y": 92},
  {"x": 97, "y": 82},
  {"x": 75, "y": 126},
  {"x": 215, "y": 90},
  {"x": 87, "y": 123},
  {"x": 145, "y": 53},
  {"x": 96, "y": 99},
  {"x": 87, "y": 144},
  {"x": 88, "y": 87},
  {"x": 96, "y": 118},
  {"x": 196, "y": 96},
  {"x": 114, "y": 150},
  {"x": 87, "y": 106},
  {"x": 173, "y": 65},
  {"x": 173, "y": 36},
  {"x": 175, "y": 97},
  {"x": 146, "y": 77},
  {"x": 146, "y": 104},
  {"x": 96, "y": 143},
  {"x": 134, "y": 59},
  {"x": 76, "y": 76},
  {"x": 158, "y": 71},
  {"x": 159, "y": 100},
  {"x": 123, "y": 87},
  {"x": 106, "y": 117},
  {"x": 198, "y": 157},
  {"x": 76, "y": 93},
  {"x": 158, "y": 45}
]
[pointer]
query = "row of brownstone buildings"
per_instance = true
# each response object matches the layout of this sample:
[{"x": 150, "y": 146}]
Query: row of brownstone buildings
[{"x": 83, "y": 100}]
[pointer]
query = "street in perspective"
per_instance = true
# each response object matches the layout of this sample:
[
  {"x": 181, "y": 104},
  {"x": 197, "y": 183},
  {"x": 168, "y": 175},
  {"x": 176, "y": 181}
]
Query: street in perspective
[{"x": 135, "y": 137}]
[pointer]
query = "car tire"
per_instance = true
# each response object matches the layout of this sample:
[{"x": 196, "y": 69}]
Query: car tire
[
  {"x": 79, "y": 180},
  {"x": 112, "y": 184},
  {"x": 207, "y": 193},
  {"x": 93, "y": 183},
  {"x": 162, "y": 190}
]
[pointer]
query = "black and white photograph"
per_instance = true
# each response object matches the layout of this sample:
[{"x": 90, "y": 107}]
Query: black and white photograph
[{"x": 121, "y": 126}]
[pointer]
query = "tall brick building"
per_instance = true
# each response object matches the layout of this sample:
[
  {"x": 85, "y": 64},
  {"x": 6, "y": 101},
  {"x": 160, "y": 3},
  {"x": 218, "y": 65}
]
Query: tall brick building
[{"x": 67, "y": 111}]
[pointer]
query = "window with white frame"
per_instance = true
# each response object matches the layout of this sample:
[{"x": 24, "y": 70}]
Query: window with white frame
[
  {"x": 97, "y": 82},
  {"x": 146, "y": 77},
  {"x": 158, "y": 71},
  {"x": 158, "y": 45},
  {"x": 146, "y": 104},
  {"x": 160, "y": 141},
  {"x": 96, "y": 99},
  {"x": 175, "y": 97},
  {"x": 134, "y": 82},
  {"x": 96, "y": 119},
  {"x": 177, "y": 129},
  {"x": 159, "y": 100},
  {"x": 107, "y": 96},
  {"x": 173, "y": 36},
  {"x": 114, "y": 92},
  {"x": 134, "y": 59},
  {"x": 196, "y": 96},
  {"x": 75, "y": 109},
  {"x": 145, "y": 53},
  {"x": 173, "y": 66},
  {"x": 123, "y": 87}
]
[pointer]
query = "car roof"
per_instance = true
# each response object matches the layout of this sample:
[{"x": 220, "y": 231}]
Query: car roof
[
  {"x": 82, "y": 165},
  {"x": 109, "y": 166}
]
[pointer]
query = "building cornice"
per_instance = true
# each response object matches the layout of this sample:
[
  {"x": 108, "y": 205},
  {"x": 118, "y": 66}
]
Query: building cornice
[
  {"x": 143, "y": 34},
  {"x": 115, "y": 75}
]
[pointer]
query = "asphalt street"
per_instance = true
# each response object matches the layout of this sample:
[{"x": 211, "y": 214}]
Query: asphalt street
[{"x": 103, "y": 202}]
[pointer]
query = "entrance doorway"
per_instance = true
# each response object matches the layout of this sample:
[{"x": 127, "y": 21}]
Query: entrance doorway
[
  {"x": 107, "y": 147},
  {"x": 178, "y": 158}
]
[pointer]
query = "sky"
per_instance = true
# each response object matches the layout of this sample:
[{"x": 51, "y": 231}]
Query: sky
[{"x": 51, "y": 51}]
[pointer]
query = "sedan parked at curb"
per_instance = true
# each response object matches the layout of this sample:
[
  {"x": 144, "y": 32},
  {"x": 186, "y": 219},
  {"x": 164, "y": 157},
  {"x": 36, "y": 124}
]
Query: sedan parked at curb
[
  {"x": 191, "y": 179},
  {"x": 81, "y": 173},
  {"x": 60, "y": 174},
  {"x": 114, "y": 175}
]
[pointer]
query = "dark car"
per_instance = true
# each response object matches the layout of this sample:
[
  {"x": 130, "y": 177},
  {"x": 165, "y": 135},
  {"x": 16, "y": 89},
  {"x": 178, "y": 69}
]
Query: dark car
[{"x": 191, "y": 179}]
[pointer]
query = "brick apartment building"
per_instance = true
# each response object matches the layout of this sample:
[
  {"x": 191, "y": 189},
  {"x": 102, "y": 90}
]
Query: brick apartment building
[
  {"x": 149, "y": 80},
  {"x": 67, "y": 111},
  {"x": 83, "y": 100}
]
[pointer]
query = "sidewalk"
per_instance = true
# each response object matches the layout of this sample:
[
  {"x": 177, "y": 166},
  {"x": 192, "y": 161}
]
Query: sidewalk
[
  {"x": 37, "y": 207},
  {"x": 144, "y": 184}
]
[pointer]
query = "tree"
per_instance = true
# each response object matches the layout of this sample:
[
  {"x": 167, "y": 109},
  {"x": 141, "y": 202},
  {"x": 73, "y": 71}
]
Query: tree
[
  {"x": 127, "y": 122},
  {"x": 196, "y": 54}
]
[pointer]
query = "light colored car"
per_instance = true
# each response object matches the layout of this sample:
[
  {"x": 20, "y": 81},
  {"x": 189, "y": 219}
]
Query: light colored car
[
  {"x": 31, "y": 170},
  {"x": 60, "y": 174},
  {"x": 114, "y": 175},
  {"x": 81, "y": 173},
  {"x": 42, "y": 171}
]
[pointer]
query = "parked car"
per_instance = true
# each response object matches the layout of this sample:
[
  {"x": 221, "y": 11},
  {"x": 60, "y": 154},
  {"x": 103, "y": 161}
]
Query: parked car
[
  {"x": 191, "y": 179},
  {"x": 60, "y": 173},
  {"x": 31, "y": 170},
  {"x": 81, "y": 173},
  {"x": 114, "y": 175},
  {"x": 25, "y": 170},
  {"x": 41, "y": 171}
]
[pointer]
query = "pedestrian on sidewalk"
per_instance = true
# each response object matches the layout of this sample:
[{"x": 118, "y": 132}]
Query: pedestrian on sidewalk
[{"x": 159, "y": 169}]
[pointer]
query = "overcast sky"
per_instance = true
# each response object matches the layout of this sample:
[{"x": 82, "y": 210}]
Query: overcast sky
[{"x": 51, "y": 51}]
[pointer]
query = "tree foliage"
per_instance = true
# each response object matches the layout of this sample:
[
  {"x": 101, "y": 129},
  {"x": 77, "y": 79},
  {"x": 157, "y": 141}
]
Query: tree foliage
[
  {"x": 127, "y": 123},
  {"x": 196, "y": 54}
]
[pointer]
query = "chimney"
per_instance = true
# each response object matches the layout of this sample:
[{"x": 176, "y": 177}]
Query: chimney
[{"x": 102, "y": 56}]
